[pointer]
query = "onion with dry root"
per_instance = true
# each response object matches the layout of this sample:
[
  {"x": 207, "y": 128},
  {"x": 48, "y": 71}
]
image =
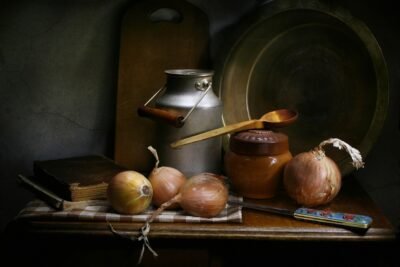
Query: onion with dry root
[
  {"x": 312, "y": 179},
  {"x": 203, "y": 195},
  {"x": 166, "y": 182}
]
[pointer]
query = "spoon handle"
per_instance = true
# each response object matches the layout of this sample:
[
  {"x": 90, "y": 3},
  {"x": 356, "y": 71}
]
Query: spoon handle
[{"x": 240, "y": 126}]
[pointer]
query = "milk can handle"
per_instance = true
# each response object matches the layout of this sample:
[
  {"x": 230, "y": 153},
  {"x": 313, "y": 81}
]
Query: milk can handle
[{"x": 173, "y": 118}]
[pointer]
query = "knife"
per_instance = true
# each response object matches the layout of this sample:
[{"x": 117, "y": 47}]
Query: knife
[{"x": 347, "y": 220}]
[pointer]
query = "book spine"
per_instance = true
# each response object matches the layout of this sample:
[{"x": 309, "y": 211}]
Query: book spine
[{"x": 58, "y": 187}]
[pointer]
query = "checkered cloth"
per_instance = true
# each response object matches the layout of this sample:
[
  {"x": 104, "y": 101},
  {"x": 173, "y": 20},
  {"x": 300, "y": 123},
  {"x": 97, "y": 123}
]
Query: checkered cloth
[{"x": 101, "y": 211}]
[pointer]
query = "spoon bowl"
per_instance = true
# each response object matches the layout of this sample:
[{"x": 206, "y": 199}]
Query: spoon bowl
[
  {"x": 279, "y": 118},
  {"x": 271, "y": 120}
]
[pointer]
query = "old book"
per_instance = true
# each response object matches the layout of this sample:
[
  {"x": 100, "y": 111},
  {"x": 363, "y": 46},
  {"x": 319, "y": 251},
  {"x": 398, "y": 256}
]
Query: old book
[
  {"x": 76, "y": 178},
  {"x": 52, "y": 199}
]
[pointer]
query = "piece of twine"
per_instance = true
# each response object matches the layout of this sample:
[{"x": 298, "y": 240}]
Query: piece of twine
[
  {"x": 354, "y": 153},
  {"x": 142, "y": 237}
]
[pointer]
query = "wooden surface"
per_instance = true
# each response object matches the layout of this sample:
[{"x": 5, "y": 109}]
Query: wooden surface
[
  {"x": 256, "y": 225},
  {"x": 258, "y": 239},
  {"x": 147, "y": 49}
]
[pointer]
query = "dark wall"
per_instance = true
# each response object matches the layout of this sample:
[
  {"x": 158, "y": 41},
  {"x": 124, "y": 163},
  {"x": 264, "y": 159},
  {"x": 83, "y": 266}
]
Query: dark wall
[
  {"x": 381, "y": 176},
  {"x": 58, "y": 82},
  {"x": 58, "y": 70}
]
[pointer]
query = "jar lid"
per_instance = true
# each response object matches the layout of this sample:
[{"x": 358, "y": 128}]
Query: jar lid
[{"x": 259, "y": 142}]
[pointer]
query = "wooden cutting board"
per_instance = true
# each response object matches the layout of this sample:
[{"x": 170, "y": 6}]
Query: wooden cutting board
[{"x": 156, "y": 35}]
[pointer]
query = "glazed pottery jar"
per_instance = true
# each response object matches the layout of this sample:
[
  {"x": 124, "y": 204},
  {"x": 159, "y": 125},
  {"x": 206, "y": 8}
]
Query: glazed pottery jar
[{"x": 255, "y": 162}]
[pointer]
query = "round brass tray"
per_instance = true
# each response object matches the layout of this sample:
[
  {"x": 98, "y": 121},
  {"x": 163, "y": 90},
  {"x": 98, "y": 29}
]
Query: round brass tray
[{"x": 317, "y": 60}]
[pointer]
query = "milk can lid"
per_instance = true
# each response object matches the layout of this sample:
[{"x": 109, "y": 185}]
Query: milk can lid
[{"x": 189, "y": 72}]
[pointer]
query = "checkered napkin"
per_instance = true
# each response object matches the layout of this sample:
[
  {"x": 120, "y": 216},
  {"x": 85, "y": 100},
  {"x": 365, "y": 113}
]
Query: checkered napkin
[{"x": 101, "y": 211}]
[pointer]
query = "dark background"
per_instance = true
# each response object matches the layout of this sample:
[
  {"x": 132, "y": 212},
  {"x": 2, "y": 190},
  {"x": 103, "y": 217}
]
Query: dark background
[{"x": 58, "y": 82}]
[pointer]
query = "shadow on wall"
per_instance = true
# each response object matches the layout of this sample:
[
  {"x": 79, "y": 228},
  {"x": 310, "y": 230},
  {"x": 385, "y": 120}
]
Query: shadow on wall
[{"x": 58, "y": 69}]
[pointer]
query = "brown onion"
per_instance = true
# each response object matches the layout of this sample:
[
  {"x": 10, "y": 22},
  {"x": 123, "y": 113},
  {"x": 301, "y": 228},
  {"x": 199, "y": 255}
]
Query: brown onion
[
  {"x": 312, "y": 178},
  {"x": 203, "y": 195},
  {"x": 166, "y": 182}
]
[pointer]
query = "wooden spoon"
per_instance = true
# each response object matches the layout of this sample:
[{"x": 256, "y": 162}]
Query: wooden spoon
[{"x": 271, "y": 120}]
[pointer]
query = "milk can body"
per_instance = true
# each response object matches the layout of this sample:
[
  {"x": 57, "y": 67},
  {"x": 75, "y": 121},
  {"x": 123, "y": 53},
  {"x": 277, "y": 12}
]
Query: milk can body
[{"x": 185, "y": 93}]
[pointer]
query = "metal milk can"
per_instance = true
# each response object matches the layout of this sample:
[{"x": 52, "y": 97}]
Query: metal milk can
[{"x": 186, "y": 106}]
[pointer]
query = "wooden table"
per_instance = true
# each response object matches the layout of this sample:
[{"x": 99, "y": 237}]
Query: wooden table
[{"x": 221, "y": 244}]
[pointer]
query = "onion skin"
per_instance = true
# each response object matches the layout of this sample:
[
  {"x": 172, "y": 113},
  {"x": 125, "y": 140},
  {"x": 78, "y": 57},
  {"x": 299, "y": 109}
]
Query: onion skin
[
  {"x": 129, "y": 192},
  {"x": 204, "y": 195},
  {"x": 312, "y": 179},
  {"x": 166, "y": 182}
]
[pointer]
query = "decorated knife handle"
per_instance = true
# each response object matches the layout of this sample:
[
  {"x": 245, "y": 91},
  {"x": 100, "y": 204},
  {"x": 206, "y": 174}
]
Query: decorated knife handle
[{"x": 336, "y": 218}]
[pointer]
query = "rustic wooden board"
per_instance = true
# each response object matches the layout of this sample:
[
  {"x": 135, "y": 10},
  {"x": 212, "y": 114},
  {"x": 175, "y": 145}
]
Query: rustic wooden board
[{"x": 148, "y": 47}]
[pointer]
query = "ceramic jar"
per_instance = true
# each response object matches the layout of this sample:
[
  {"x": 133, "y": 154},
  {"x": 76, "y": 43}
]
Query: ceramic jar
[{"x": 255, "y": 162}]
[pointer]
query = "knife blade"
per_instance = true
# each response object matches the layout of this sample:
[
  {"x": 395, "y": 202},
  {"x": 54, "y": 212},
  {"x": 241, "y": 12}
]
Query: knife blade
[{"x": 347, "y": 220}]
